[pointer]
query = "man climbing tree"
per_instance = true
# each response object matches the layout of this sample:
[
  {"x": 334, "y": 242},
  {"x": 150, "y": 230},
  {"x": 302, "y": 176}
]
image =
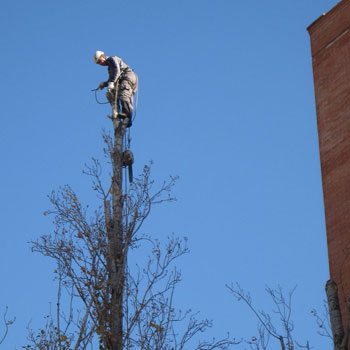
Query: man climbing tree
[
  {"x": 122, "y": 83},
  {"x": 121, "y": 305}
]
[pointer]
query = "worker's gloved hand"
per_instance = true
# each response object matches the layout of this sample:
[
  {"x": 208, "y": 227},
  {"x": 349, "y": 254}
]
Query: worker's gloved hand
[
  {"x": 102, "y": 85},
  {"x": 110, "y": 86}
]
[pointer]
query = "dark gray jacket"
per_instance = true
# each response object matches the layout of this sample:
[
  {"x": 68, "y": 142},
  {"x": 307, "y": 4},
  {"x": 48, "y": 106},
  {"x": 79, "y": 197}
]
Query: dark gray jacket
[{"x": 115, "y": 67}]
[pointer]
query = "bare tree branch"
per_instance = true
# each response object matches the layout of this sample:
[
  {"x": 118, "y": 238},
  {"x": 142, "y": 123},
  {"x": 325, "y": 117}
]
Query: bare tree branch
[
  {"x": 121, "y": 305},
  {"x": 6, "y": 323},
  {"x": 266, "y": 326}
]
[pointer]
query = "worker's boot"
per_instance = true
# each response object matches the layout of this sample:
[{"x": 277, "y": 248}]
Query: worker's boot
[
  {"x": 126, "y": 118},
  {"x": 127, "y": 109}
]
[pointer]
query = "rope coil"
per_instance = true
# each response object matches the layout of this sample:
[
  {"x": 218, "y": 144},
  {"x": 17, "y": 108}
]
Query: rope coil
[{"x": 100, "y": 103}]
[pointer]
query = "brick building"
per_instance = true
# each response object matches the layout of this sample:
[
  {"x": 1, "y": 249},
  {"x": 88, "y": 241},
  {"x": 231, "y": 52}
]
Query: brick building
[{"x": 330, "y": 49}]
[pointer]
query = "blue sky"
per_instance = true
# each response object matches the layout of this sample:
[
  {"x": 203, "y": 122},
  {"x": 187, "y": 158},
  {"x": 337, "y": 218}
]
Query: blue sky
[{"x": 226, "y": 102}]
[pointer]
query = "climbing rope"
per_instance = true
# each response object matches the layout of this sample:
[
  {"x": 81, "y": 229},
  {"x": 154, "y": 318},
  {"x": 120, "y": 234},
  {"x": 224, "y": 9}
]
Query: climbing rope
[
  {"x": 116, "y": 88},
  {"x": 125, "y": 188},
  {"x": 127, "y": 137},
  {"x": 100, "y": 103},
  {"x": 116, "y": 99},
  {"x": 136, "y": 104}
]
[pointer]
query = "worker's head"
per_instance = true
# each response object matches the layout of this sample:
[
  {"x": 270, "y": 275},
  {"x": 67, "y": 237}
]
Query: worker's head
[{"x": 99, "y": 58}]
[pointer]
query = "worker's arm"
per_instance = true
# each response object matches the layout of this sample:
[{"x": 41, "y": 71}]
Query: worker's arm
[
  {"x": 102, "y": 85},
  {"x": 113, "y": 69}
]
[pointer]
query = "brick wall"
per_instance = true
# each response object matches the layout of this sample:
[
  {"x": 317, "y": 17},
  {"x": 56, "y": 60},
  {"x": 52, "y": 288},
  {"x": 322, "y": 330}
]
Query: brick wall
[{"x": 330, "y": 49}]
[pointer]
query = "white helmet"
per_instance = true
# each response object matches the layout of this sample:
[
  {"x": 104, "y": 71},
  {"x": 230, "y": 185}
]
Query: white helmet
[{"x": 97, "y": 55}]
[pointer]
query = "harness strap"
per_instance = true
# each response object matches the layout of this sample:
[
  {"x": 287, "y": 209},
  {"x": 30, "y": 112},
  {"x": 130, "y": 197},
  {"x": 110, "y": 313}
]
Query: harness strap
[{"x": 132, "y": 86}]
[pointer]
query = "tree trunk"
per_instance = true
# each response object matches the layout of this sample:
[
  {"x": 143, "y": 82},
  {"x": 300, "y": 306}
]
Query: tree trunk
[
  {"x": 117, "y": 273},
  {"x": 335, "y": 316}
]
